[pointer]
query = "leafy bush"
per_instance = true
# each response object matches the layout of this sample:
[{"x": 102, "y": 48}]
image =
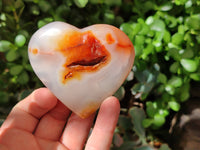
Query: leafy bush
[
  {"x": 167, "y": 58},
  {"x": 166, "y": 37}
]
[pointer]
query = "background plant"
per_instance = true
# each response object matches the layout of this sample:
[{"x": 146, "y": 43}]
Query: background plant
[{"x": 166, "y": 37}]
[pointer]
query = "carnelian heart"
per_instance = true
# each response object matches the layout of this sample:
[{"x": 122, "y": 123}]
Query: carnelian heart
[{"x": 81, "y": 66}]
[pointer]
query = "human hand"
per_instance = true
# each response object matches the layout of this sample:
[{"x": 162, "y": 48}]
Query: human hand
[{"x": 41, "y": 122}]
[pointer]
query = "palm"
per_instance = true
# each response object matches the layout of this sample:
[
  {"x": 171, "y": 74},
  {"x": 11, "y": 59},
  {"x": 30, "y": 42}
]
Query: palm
[
  {"x": 30, "y": 142},
  {"x": 40, "y": 122}
]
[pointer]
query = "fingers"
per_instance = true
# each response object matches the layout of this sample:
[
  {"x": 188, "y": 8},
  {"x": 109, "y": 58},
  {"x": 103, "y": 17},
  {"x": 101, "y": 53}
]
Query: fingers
[
  {"x": 26, "y": 113},
  {"x": 102, "y": 133},
  {"x": 51, "y": 125},
  {"x": 50, "y": 145},
  {"x": 43, "y": 105},
  {"x": 76, "y": 132}
]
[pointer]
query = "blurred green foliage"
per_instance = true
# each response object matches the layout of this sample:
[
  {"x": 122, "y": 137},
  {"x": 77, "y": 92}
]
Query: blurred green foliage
[{"x": 166, "y": 37}]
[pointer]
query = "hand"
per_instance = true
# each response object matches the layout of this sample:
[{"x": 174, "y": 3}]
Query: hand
[{"x": 41, "y": 122}]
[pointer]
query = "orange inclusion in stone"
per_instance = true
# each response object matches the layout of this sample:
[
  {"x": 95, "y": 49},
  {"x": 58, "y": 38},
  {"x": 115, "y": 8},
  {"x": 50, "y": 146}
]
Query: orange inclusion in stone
[
  {"x": 123, "y": 44},
  {"x": 130, "y": 46},
  {"x": 109, "y": 39},
  {"x": 35, "y": 51},
  {"x": 89, "y": 110},
  {"x": 83, "y": 52}
]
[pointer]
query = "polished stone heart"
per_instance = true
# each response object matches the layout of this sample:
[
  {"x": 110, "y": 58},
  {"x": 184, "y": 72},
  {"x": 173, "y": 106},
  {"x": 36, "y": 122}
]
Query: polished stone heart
[{"x": 81, "y": 66}]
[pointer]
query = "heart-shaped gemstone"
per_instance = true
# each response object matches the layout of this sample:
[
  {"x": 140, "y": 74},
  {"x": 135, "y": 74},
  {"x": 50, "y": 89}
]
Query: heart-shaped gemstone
[{"x": 81, "y": 66}]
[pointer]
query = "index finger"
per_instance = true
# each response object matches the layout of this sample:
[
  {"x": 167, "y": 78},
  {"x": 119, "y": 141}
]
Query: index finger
[{"x": 104, "y": 127}]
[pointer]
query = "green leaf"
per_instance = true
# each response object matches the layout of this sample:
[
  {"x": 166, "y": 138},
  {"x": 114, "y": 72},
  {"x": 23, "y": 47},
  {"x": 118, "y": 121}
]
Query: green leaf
[
  {"x": 4, "y": 98},
  {"x": 148, "y": 50},
  {"x": 172, "y": 20},
  {"x": 130, "y": 76},
  {"x": 125, "y": 122},
  {"x": 128, "y": 28},
  {"x": 136, "y": 88},
  {"x": 188, "y": 4},
  {"x": 174, "y": 67},
  {"x": 177, "y": 38},
  {"x": 35, "y": 10},
  {"x": 120, "y": 93},
  {"x": 175, "y": 81},
  {"x": 11, "y": 55},
  {"x": 25, "y": 33},
  {"x": 171, "y": 45},
  {"x": 160, "y": 89},
  {"x": 163, "y": 112},
  {"x": 174, "y": 53},
  {"x": 138, "y": 115},
  {"x": 174, "y": 105},
  {"x": 151, "y": 109},
  {"x": 149, "y": 20},
  {"x": 44, "y": 5},
  {"x": 139, "y": 40},
  {"x": 136, "y": 28},
  {"x": 185, "y": 92},
  {"x": 170, "y": 89},
  {"x": 6, "y": 45},
  {"x": 15, "y": 70},
  {"x": 20, "y": 40},
  {"x": 193, "y": 22},
  {"x": 28, "y": 67},
  {"x": 180, "y": 2},
  {"x": 159, "y": 120},
  {"x": 23, "y": 78},
  {"x": 158, "y": 46},
  {"x": 162, "y": 78},
  {"x": 44, "y": 21},
  {"x": 109, "y": 17},
  {"x": 158, "y": 36},
  {"x": 145, "y": 29},
  {"x": 19, "y": 4},
  {"x": 81, "y": 3},
  {"x": 166, "y": 6},
  {"x": 148, "y": 40},
  {"x": 188, "y": 53},
  {"x": 147, "y": 123},
  {"x": 138, "y": 50},
  {"x": 158, "y": 25},
  {"x": 190, "y": 65},
  {"x": 147, "y": 82},
  {"x": 198, "y": 39},
  {"x": 166, "y": 36},
  {"x": 195, "y": 76},
  {"x": 181, "y": 29}
]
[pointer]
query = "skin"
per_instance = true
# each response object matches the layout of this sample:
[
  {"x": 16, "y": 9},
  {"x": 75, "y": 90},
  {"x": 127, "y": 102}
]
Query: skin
[{"x": 41, "y": 122}]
